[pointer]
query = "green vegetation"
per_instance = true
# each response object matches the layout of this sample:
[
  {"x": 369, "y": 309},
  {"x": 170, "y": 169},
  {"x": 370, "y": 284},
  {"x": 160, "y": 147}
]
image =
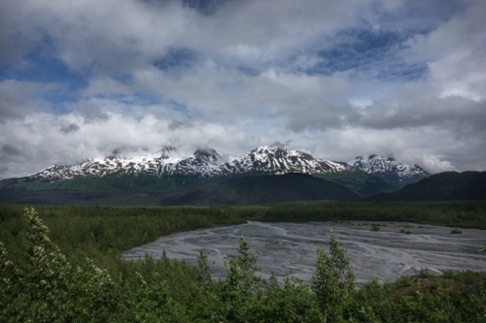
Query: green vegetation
[
  {"x": 456, "y": 231},
  {"x": 40, "y": 281},
  {"x": 375, "y": 227},
  {"x": 447, "y": 186},
  {"x": 454, "y": 214},
  {"x": 483, "y": 249},
  {"x": 105, "y": 183},
  {"x": 359, "y": 181},
  {"x": 333, "y": 282},
  {"x": 174, "y": 190}
]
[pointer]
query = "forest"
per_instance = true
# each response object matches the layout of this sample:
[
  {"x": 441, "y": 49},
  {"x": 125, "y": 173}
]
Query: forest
[{"x": 64, "y": 263}]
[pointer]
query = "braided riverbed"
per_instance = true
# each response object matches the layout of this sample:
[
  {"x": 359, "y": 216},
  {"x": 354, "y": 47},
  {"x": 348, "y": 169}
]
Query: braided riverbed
[{"x": 380, "y": 250}]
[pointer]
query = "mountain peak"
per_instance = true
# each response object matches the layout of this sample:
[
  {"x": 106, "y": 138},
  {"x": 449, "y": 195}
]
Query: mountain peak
[
  {"x": 208, "y": 155},
  {"x": 389, "y": 170},
  {"x": 279, "y": 160}
]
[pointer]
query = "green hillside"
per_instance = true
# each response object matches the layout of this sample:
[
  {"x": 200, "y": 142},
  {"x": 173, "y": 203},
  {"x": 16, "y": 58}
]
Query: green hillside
[
  {"x": 359, "y": 181},
  {"x": 261, "y": 190},
  {"x": 448, "y": 186},
  {"x": 176, "y": 190}
]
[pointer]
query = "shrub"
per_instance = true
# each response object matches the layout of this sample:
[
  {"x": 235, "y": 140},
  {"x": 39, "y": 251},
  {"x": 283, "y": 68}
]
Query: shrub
[
  {"x": 483, "y": 249},
  {"x": 333, "y": 281}
]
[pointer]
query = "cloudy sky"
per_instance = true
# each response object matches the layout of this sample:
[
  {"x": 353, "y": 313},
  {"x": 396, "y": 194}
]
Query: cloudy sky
[{"x": 337, "y": 79}]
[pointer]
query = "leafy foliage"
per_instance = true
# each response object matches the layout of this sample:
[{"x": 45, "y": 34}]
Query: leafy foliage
[
  {"x": 45, "y": 287},
  {"x": 39, "y": 283},
  {"x": 333, "y": 281}
]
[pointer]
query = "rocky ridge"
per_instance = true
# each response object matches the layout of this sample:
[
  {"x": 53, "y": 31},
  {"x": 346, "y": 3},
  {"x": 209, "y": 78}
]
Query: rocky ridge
[{"x": 389, "y": 170}]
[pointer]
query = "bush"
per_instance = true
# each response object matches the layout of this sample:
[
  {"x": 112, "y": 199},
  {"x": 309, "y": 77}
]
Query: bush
[{"x": 333, "y": 281}]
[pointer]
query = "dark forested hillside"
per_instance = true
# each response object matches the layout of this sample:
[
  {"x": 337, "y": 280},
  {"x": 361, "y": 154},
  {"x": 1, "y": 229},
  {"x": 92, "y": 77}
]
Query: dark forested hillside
[
  {"x": 262, "y": 190},
  {"x": 448, "y": 186},
  {"x": 126, "y": 190},
  {"x": 359, "y": 181}
]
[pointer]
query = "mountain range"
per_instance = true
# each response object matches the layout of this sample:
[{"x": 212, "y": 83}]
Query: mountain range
[
  {"x": 203, "y": 163},
  {"x": 164, "y": 177},
  {"x": 207, "y": 163}
]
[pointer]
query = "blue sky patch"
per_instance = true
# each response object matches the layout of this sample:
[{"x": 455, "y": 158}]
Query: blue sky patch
[
  {"x": 366, "y": 52},
  {"x": 177, "y": 60}
]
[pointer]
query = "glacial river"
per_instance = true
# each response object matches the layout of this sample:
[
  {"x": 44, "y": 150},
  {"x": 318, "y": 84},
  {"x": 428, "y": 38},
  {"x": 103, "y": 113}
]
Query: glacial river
[{"x": 290, "y": 249}]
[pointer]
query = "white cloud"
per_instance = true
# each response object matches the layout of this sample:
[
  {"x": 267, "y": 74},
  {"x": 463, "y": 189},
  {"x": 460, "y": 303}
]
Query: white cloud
[
  {"x": 247, "y": 85},
  {"x": 456, "y": 54}
]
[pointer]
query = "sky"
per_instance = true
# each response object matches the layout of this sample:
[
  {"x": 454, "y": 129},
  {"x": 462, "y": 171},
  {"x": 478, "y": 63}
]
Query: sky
[{"x": 337, "y": 79}]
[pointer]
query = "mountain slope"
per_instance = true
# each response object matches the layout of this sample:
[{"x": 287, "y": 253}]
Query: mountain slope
[
  {"x": 261, "y": 190},
  {"x": 359, "y": 181},
  {"x": 448, "y": 186},
  {"x": 389, "y": 170}
]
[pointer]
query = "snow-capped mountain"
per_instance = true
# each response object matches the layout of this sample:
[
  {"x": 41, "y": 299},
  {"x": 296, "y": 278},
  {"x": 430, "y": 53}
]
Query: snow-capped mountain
[
  {"x": 389, "y": 170},
  {"x": 204, "y": 163},
  {"x": 277, "y": 160}
]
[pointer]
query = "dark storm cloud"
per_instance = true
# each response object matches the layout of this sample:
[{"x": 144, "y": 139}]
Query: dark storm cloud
[
  {"x": 9, "y": 150},
  {"x": 325, "y": 116},
  {"x": 281, "y": 144},
  {"x": 15, "y": 40},
  {"x": 90, "y": 111},
  {"x": 20, "y": 98},
  {"x": 10, "y": 155},
  {"x": 204, "y": 7},
  {"x": 3, "y": 170},
  {"x": 412, "y": 109},
  {"x": 70, "y": 128},
  {"x": 177, "y": 124}
]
